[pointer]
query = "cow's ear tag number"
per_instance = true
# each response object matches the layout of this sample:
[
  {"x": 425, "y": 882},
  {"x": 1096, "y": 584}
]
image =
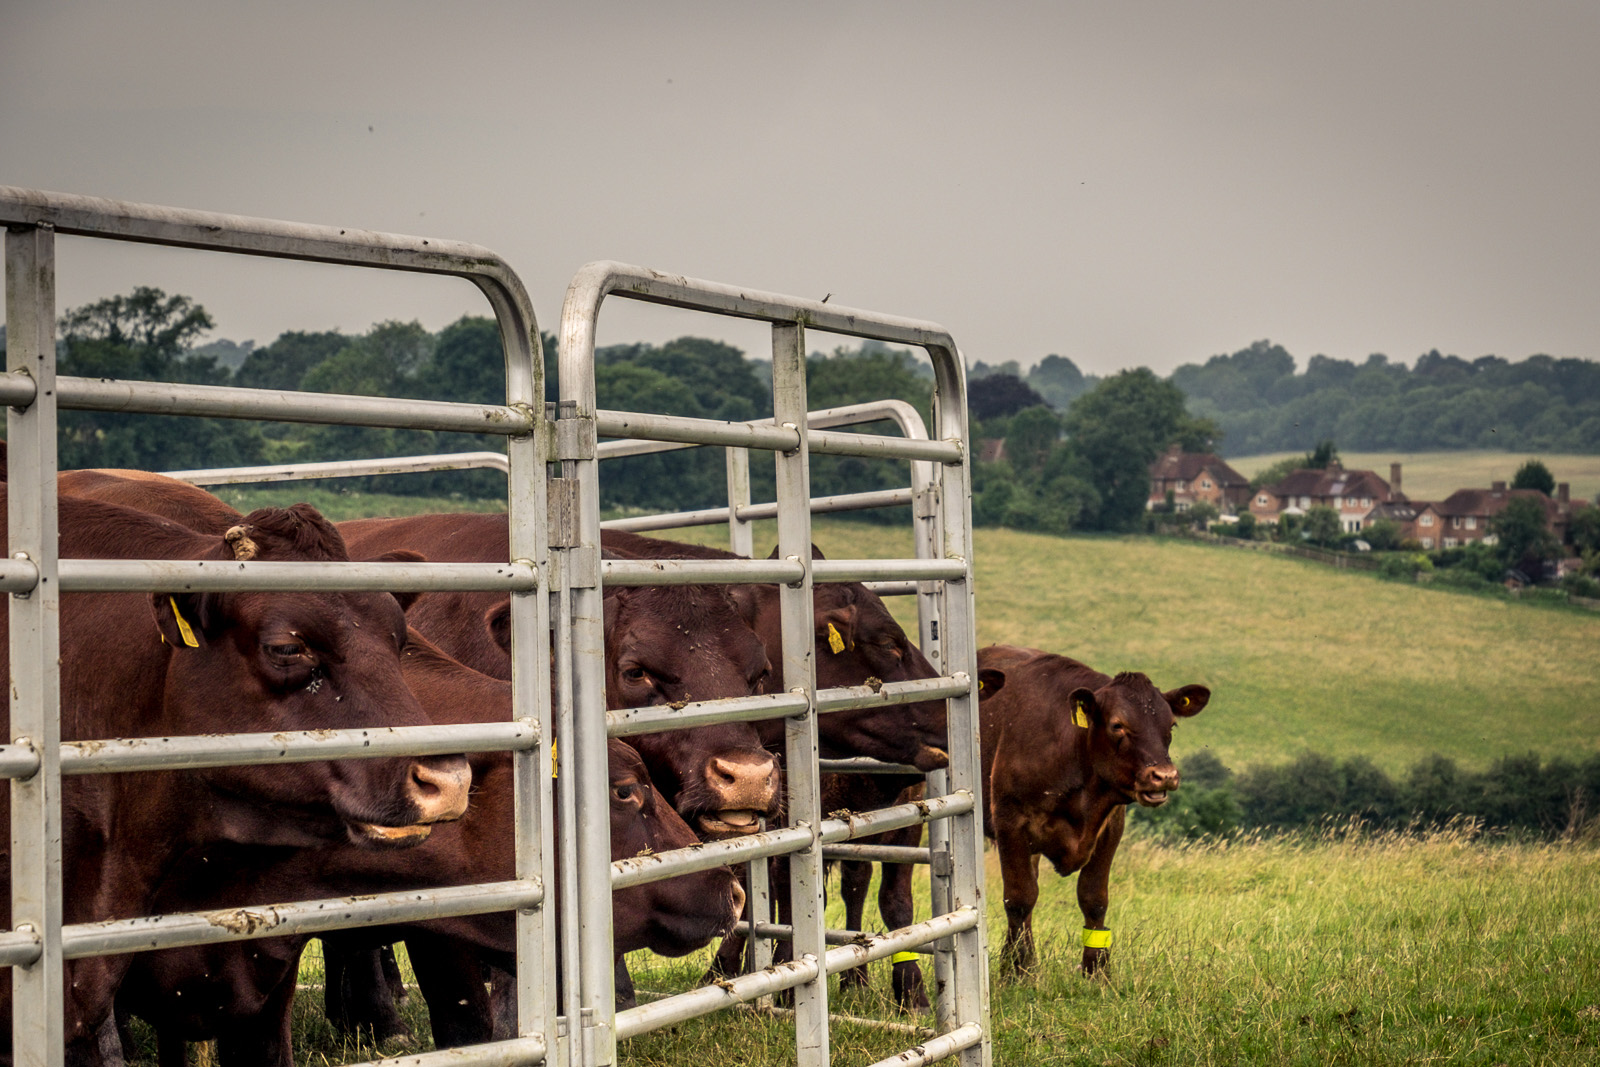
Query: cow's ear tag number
[
  {"x": 835, "y": 639},
  {"x": 1079, "y": 718},
  {"x": 184, "y": 629}
]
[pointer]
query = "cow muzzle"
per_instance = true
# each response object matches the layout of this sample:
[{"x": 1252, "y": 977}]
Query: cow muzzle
[
  {"x": 1154, "y": 785},
  {"x": 745, "y": 788}
]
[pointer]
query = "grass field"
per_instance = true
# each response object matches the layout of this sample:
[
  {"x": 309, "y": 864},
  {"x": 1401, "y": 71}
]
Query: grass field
[
  {"x": 1435, "y": 475},
  {"x": 1298, "y": 655},
  {"x": 1380, "y": 950}
]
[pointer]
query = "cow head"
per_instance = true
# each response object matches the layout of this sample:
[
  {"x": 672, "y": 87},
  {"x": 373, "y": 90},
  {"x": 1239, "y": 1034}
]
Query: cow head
[
  {"x": 678, "y": 915},
  {"x": 270, "y": 662},
  {"x": 669, "y": 644},
  {"x": 858, "y": 640},
  {"x": 1129, "y": 725},
  {"x": 673, "y": 644}
]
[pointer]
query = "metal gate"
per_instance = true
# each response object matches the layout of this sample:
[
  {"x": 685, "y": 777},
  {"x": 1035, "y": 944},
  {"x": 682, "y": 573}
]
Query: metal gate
[{"x": 567, "y": 566}]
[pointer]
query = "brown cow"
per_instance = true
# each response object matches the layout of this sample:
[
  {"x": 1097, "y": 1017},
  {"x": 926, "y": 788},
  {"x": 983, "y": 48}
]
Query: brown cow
[
  {"x": 663, "y": 645},
  {"x": 718, "y": 776},
  {"x": 856, "y": 639},
  {"x": 1065, "y": 750},
  {"x": 195, "y": 663},
  {"x": 240, "y": 992}
]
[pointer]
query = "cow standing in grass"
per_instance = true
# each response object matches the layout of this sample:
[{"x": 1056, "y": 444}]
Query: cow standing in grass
[{"x": 1065, "y": 749}]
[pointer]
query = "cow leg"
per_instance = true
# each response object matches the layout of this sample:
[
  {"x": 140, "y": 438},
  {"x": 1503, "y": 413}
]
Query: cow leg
[
  {"x": 627, "y": 997},
  {"x": 453, "y": 982},
  {"x": 855, "y": 879},
  {"x": 392, "y": 976},
  {"x": 1094, "y": 887},
  {"x": 1019, "y": 873},
  {"x": 265, "y": 1039},
  {"x": 503, "y": 1003},
  {"x": 898, "y": 908},
  {"x": 356, "y": 995}
]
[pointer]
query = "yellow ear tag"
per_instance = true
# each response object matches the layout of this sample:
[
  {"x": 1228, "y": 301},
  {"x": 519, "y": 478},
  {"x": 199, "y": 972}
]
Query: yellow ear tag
[
  {"x": 835, "y": 642},
  {"x": 980, "y": 685},
  {"x": 183, "y": 624},
  {"x": 553, "y": 771},
  {"x": 1079, "y": 719}
]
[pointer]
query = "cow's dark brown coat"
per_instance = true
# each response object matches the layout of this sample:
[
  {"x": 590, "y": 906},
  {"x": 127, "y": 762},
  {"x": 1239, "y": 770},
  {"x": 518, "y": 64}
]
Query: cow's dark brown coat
[{"x": 1060, "y": 789}]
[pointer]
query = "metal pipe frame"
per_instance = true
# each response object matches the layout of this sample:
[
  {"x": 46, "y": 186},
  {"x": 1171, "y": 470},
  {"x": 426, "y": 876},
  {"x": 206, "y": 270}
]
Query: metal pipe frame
[
  {"x": 33, "y": 394},
  {"x": 350, "y": 468},
  {"x": 223, "y": 576},
  {"x": 124, "y": 755},
  {"x": 945, "y": 601}
]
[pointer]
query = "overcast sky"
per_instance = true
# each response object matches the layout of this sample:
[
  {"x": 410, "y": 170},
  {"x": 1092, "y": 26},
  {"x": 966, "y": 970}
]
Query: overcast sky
[{"x": 1123, "y": 183}]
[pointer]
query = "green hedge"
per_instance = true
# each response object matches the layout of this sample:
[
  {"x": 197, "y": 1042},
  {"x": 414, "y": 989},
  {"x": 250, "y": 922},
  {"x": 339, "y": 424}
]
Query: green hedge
[{"x": 1515, "y": 793}]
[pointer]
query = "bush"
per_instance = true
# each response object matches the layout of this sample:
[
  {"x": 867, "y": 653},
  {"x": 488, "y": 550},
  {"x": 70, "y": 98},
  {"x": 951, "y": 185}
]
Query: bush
[{"x": 1405, "y": 567}]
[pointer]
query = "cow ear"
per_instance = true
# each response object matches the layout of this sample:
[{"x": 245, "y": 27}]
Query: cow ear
[
  {"x": 402, "y": 555},
  {"x": 181, "y": 618},
  {"x": 498, "y": 621},
  {"x": 747, "y": 599},
  {"x": 1084, "y": 708},
  {"x": 836, "y": 628},
  {"x": 990, "y": 682},
  {"x": 816, "y": 553},
  {"x": 1187, "y": 701}
]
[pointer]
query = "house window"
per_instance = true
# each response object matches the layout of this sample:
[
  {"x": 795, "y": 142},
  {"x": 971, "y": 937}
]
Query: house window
[
  {"x": 1366, "y": 501},
  {"x": 1262, "y": 500},
  {"x": 1427, "y": 542},
  {"x": 1472, "y": 522},
  {"x": 1205, "y": 484},
  {"x": 1426, "y": 520},
  {"x": 1455, "y": 522},
  {"x": 1305, "y": 502},
  {"x": 1450, "y": 542}
]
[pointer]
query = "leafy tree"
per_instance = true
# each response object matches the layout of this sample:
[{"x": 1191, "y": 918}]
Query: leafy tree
[
  {"x": 1584, "y": 529},
  {"x": 999, "y": 395},
  {"x": 1534, "y": 475},
  {"x": 1383, "y": 535},
  {"x": 146, "y": 335},
  {"x": 283, "y": 364},
  {"x": 1059, "y": 381},
  {"x": 1322, "y": 526},
  {"x": 1031, "y": 436},
  {"x": 1119, "y": 428},
  {"x": 1524, "y": 538}
]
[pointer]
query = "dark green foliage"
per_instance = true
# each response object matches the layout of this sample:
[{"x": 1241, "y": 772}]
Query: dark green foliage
[
  {"x": 1118, "y": 429},
  {"x": 1515, "y": 793},
  {"x": 146, "y": 335},
  {"x": 1534, "y": 475},
  {"x": 283, "y": 364},
  {"x": 1525, "y": 540},
  {"x": 1444, "y": 402},
  {"x": 999, "y": 395},
  {"x": 1322, "y": 526}
]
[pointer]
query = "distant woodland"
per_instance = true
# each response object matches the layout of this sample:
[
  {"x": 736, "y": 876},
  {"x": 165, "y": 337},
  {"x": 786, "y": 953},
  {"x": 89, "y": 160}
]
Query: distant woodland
[{"x": 1063, "y": 450}]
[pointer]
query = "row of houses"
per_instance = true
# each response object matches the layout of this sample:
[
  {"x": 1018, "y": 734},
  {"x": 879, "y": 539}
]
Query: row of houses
[{"x": 1360, "y": 498}]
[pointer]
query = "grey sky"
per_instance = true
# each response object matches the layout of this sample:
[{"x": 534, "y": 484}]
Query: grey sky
[{"x": 1124, "y": 183}]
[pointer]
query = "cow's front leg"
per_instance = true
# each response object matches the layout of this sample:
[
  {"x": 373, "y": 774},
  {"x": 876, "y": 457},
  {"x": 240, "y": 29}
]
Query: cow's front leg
[
  {"x": 1094, "y": 894},
  {"x": 1019, "y": 872}
]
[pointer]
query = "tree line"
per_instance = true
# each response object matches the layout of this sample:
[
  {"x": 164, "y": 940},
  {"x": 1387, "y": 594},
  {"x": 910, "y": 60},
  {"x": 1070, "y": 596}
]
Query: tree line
[{"x": 1443, "y": 402}]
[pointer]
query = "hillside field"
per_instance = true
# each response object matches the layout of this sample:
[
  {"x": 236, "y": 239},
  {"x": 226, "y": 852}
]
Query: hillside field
[
  {"x": 1435, "y": 475},
  {"x": 1297, "y": 655}
]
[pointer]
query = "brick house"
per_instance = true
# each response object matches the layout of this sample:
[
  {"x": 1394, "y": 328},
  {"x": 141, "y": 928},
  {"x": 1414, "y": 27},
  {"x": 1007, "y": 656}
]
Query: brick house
[
  {"x": 1353, "y": 494},
  {"x": 1196, "y": 477},
  {"x": 1419, "y": 521},
  {"x": 1464, "y": 515}
]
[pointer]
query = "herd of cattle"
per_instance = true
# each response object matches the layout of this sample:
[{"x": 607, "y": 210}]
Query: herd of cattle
[{"x": 1064, "y": 750}]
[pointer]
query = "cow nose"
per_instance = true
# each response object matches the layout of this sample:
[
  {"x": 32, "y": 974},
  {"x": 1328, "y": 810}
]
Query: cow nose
[
  {"x": 743, "y": 782},
  {"x": 737, "y": 896},
  {"x": 1164, "y": 777},
  {"x": 439, "y": 788}
]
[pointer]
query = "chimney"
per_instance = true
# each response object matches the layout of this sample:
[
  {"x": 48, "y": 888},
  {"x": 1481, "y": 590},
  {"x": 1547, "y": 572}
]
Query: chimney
[
  {"x": 1497, "y": 487},
  {"x": 1394, "y": 479},
  {"x": 1563, "y": 493}
]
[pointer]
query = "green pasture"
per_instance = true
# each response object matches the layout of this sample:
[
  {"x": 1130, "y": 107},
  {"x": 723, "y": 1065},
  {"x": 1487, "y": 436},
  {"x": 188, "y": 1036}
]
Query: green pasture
[
  {"x": 1297, "y": 655},
  {"x": 1435, "y": 475}
]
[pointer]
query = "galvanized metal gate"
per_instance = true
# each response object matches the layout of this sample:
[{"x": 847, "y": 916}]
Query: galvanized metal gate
[{"x": 582, "y": 1028}]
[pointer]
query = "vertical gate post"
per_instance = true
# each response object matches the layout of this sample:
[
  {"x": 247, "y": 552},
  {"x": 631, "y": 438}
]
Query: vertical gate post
[
  {"x": 806, "y": 871},
  {"x": 959, "y": 646},
  {"x": 740, "y": 539},
  {"x": 36, "y": 883}
]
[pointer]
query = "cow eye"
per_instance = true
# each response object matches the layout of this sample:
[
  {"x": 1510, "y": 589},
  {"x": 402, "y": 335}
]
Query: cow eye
[
  {"x": 624, "y": 792},
  {"x": 636, "y": 676},
  {"x": 286, "y": 650}
]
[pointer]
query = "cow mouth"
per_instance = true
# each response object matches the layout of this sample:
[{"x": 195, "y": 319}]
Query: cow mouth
[
  {"x": 731, "y": 823},
  {"x": 371, "y": 835},
  {"x": 1150, "y": 798}
]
